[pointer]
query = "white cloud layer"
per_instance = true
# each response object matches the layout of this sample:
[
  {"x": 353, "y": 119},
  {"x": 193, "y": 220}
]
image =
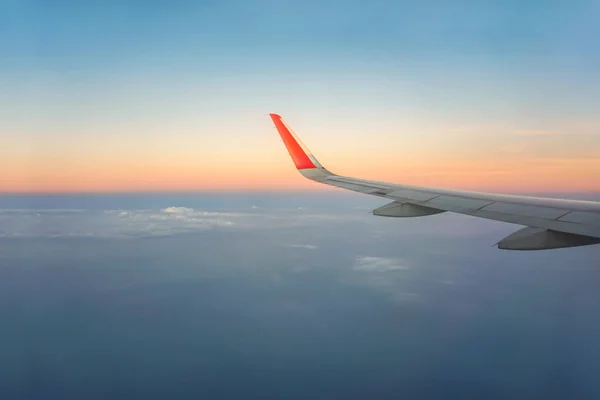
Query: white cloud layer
[
  {"x": 378, "y": 264},
  {"x": 177, "y": 210},
  {"x": 377, "y": 274},
  {"x": 110, "y": 223},
  {"x": 148, "y": 223}
]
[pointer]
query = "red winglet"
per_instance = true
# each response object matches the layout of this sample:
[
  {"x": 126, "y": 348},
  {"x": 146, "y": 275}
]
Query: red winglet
[{"x": 298, "y": 155}]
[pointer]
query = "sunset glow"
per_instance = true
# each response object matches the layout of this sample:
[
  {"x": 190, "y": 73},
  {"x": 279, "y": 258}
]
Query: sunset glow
[{"x": 170, "y": 110}]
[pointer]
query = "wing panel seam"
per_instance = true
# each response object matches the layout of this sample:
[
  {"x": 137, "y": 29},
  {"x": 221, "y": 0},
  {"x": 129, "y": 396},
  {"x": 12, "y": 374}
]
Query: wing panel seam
[{"x": 563, "y": 215}]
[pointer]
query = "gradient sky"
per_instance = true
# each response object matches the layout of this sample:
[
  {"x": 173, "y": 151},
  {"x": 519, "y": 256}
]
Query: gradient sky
[{"x": 121, "y": 95}]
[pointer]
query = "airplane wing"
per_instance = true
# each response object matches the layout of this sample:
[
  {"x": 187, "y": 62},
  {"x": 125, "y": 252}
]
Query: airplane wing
[{"x": 549, "y": 223}]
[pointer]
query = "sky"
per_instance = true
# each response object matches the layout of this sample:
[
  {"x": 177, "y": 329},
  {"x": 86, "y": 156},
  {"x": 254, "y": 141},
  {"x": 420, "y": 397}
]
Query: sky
[{"x": 122, "y": 95}]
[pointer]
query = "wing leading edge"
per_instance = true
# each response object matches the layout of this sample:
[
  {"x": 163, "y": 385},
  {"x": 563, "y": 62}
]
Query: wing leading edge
[{"x": 549, "y": 223}]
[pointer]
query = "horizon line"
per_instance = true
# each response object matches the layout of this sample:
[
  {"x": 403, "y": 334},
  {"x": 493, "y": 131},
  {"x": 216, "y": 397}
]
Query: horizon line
[{"x": 257, "y": 190}]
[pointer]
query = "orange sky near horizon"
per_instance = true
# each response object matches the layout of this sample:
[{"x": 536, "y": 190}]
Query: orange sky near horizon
[
  {"x": 247, "y": 154},
  {"x": 271, "y": 169},
  {"x": 134, "y": 146}
]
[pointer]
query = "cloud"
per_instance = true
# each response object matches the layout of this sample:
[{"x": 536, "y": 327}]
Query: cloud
[
  {"x": 110, "y": 223},
  {"x": 378, "y": 264},
  {"x": 304, "y": 246},
  {"x": 377, "y": 273},
  {"x": 173, "y": 220},
  {"x": 177, "y": 210}
]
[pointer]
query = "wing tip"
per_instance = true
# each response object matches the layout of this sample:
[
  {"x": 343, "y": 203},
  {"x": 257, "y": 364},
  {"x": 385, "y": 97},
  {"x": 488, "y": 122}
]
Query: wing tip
[{"x": 300, "y": 155}]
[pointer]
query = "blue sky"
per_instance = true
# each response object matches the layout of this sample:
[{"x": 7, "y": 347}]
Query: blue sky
[
  {"x": 135, "y": 79},
  {"x": 110, "y": 35}
]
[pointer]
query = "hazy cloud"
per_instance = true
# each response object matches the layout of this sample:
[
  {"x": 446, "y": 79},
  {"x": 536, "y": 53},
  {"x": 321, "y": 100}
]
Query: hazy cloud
[
  {"x": 177, "y": 210},
  {"x": 377, "y": 274},
  {"x": 304, "y": 246},
  {"x": 109, "y": 223},
  {"x": 378, "y": 264},
  {"x": 149, "y": 223}
]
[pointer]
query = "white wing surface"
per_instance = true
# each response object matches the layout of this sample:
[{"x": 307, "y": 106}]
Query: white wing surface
[{"x": 549, "y": 223}]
